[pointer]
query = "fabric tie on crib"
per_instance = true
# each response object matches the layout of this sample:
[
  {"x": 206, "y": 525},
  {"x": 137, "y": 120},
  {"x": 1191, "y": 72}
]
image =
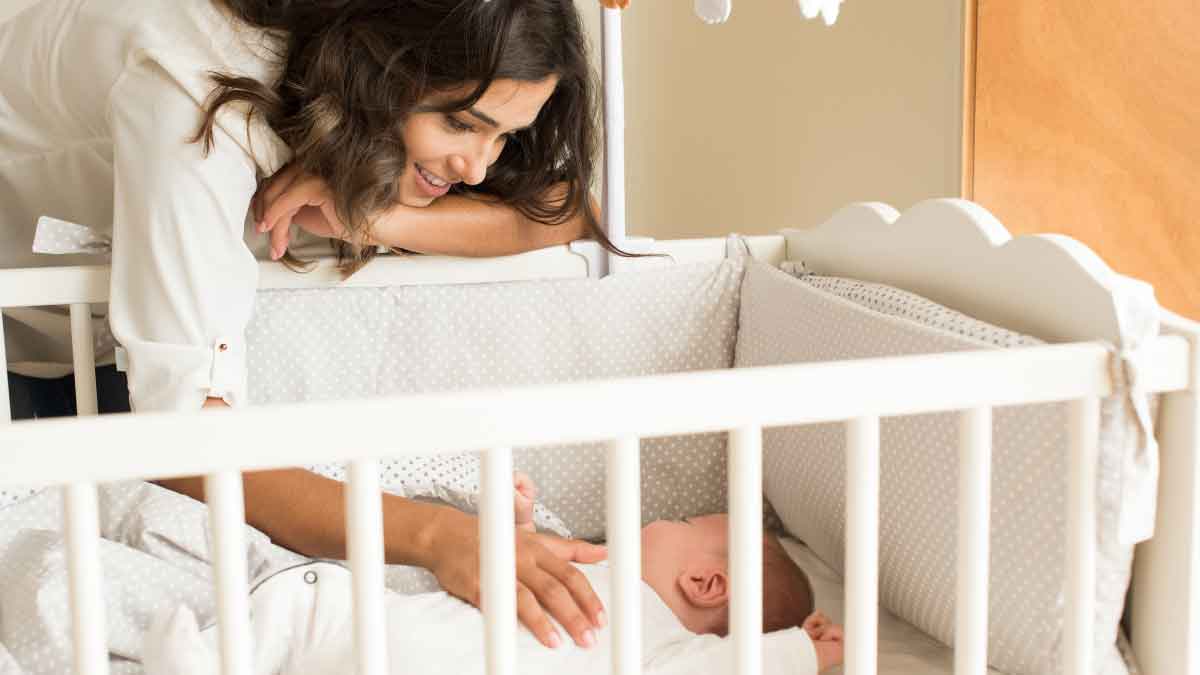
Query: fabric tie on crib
[
  {"x": 58, "y": 237},
  {"x": 1138, "y": 323}
]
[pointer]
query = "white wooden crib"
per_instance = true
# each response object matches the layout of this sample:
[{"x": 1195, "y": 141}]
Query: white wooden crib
[
  {"x": 952, "y": 252},
  {"x": 860, "y": 241}
]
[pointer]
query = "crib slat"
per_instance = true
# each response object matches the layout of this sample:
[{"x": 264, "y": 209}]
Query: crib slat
[
  {"x": 614, "y": 128},
  {"x": 1081, "y": 536},
  {"x": 499, "y": 575},
  {"x": 745, "y": 547},
  {"x": 226, "y": 512},
  {"x": 83, "y": 356},
  {"x": 87, "y": 601},
  {"x": 862, "y": 545},
  {"x": 364, "y": 530},
  {"x": 974, "y": 499},
  {"x": 625, "y": 554},
  {"x": 83, "y": 515}
]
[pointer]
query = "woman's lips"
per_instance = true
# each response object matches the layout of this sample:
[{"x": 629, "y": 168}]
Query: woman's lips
[{"x": 428, "y": 188}]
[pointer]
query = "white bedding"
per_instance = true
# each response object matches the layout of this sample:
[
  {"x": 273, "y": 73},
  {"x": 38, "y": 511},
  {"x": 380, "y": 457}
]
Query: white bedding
[{"x": 903, "y": 650}]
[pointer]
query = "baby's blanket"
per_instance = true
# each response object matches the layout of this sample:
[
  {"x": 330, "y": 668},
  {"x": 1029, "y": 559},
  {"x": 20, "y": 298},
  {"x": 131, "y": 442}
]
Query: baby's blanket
[{"x": 154, "y": 554}]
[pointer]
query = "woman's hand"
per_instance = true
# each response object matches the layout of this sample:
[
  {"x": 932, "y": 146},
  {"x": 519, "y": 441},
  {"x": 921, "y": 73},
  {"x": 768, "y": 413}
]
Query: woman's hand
[
  {"x": 546, "y": 581},
  {"x": 294, "y": 196}
]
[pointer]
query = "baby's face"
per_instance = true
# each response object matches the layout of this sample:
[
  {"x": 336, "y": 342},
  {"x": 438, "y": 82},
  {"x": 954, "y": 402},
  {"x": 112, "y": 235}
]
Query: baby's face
[{"x": 669, "y": 545}]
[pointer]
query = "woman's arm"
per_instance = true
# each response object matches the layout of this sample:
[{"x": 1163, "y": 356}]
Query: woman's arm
[
  {"x": 306, "y": 513},
  {"x": 456, "y": 225},
  {"x": 472, "y": 227}
]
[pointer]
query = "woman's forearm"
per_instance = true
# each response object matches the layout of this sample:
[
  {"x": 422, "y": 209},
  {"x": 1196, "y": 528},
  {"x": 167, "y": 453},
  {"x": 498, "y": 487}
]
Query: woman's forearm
[
  {"x": 306, "y": 513},
  {"x": 471, "y": 227}
]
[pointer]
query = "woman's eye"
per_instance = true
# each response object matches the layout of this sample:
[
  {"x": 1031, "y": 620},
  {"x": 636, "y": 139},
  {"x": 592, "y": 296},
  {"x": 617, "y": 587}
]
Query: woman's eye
[{"x": 457, "y": 124}]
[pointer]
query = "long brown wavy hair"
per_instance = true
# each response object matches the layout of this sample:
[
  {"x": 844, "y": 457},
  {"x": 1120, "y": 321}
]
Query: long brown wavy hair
[{"x": 353, "y": 70}]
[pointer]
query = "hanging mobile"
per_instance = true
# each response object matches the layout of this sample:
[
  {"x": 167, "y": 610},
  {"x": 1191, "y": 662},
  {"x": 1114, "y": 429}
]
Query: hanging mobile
[{"x": 713, "y": 11}]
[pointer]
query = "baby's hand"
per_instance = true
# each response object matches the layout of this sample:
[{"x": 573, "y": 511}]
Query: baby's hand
[
  {"x": 524, "y": 495},
  {"x": 828, "y": 639}
]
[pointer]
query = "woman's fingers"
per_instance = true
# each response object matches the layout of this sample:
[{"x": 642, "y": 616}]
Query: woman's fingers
[
  {"x": 532, "y": 616},
  {"x": 271, "y": 189},
  {"x": 279, "y": 237},
  {"x": 581, "y": 591},
  {"x": 574, "y": 550},
  {"x": 557, "y": 598}
]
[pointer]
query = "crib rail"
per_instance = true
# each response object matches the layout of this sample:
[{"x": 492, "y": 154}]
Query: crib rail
[{"x": 219, "y": 444}]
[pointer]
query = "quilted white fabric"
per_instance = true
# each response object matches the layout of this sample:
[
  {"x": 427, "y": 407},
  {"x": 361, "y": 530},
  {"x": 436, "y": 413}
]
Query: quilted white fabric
[
  {"x": 349, "y": 343},
  {"x": 788, "y": 320}
]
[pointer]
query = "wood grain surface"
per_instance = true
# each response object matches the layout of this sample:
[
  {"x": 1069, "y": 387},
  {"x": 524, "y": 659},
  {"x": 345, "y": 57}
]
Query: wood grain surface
[{"x": 1087, "y": 122}]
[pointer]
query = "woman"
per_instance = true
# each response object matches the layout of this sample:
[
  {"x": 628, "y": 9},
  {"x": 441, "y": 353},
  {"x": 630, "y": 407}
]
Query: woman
[{"x": 444, "y": 126}]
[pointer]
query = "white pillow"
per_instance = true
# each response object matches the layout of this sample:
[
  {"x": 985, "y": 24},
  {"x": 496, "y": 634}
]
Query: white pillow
[
  {"x": 343, "y": 343},
  {"x": 788, "y": 320}
]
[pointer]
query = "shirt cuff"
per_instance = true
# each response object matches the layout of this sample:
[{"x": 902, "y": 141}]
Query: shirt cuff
[{"x": 170, "y": 377}]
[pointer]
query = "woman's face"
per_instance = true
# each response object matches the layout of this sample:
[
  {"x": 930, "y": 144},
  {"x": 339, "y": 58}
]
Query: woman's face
[{"x": 448, "y": 148}]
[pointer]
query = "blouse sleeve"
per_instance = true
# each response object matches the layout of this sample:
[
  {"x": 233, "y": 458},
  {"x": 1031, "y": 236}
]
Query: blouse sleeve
[
  {"x": 785, "y": 652},
  {"x": 183, "y": 281}
]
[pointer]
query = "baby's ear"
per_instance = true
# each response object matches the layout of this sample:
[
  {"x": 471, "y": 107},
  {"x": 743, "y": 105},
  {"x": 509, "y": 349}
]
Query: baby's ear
[{"x": 706, "y": 587}]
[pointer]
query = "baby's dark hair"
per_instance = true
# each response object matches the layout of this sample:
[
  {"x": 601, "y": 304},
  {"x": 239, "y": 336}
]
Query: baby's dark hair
[{"x": 787, "y": 593}]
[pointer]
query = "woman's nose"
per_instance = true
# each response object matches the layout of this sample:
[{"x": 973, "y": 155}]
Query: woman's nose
[{"x": 471, "y": 167}]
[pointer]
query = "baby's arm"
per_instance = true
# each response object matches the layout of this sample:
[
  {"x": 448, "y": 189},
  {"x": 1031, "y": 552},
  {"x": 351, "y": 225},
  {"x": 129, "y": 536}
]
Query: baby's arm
[
  {"x": 827, "y": 638},
  {"x": 524, "y": 496}
]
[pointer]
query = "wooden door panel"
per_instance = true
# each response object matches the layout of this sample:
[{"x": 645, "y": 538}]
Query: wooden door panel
[{"x": 1087, "y": 122}]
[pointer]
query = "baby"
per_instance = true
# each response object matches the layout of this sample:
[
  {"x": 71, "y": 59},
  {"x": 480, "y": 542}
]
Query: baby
[{"x": 302, "y": 618}]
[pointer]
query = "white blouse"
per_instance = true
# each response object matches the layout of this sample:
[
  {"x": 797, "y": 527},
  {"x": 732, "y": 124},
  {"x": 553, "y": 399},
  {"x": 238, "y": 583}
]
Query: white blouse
[{"x": 98, "y": 101}]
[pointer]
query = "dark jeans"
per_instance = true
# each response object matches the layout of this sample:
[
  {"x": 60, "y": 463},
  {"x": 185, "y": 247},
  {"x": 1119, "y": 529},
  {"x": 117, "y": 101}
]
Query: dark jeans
[{"x": 33, "y": 397}]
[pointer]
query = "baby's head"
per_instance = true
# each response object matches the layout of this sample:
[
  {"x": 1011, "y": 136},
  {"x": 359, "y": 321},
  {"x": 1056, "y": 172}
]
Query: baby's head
[{"x": 687, "y": 564}]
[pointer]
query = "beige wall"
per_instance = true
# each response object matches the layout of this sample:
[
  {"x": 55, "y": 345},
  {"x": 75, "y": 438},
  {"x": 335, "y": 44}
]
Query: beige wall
[
  {"x": 9, "y": 8},
  {"x": 771, "y": 121}
]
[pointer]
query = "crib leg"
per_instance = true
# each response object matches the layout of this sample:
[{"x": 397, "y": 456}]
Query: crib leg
[
  {"x": 625, "y": 554},
  {"x": 745, "y": 547},
  {"x": 87, "y": 601},
  {"x": 497, "y": 533},
  {"x": 974, "y": 497},
  {"x": 227, "y": 521},
  {"x": 862, "y": 545},
  {"x": 364, "y": 530}
]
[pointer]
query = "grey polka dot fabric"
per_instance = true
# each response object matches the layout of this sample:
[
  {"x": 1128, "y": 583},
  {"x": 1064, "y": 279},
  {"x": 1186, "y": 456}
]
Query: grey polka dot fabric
[
  {"x": 326, "y": 344},
  {"x": 451, "y": 479},
  {"x": 789, "y": 320},
  {"x": 153, "y": 554}
]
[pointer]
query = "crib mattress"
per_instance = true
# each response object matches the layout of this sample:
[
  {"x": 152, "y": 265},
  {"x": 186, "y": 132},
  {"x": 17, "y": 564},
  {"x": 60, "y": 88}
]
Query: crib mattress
[{"x": 903, "y": 650}]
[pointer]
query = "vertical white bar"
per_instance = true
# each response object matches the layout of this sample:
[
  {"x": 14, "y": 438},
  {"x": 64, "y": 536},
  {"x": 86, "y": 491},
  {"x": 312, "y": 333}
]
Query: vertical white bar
[
  {"x": 862, "y": 544},
  {"x": 625, "y": 554},
  {"x": 1081, "y": 536},
  {"x": 364, "y": 541},
  {"x": 614, "y": 127},
  {"x": 974, "y": 502},
  {"x": 83, "y": 354},
  {"x": 745, "y": 547},
  {"x": 499, "y": 574},
  {"x": 82, "y": 513},
  {"x": 87, "y": 600},
  {"x": 226, "y": 513}
]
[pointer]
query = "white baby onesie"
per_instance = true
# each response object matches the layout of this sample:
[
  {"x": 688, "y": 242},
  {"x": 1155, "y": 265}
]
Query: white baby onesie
[{"x": 303, "y": 625}]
